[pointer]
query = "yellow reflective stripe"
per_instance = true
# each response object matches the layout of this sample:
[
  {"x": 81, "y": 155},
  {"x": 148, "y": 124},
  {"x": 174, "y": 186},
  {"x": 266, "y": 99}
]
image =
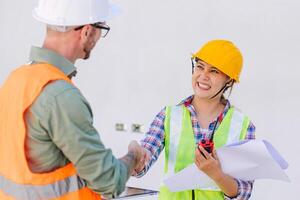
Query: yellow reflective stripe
[{"x": 38, "y": 192}]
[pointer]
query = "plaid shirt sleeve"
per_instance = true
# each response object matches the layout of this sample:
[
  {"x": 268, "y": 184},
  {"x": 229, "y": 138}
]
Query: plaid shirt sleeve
[
  {"x": 245, "y": 187},
  {"x": 154, "y": 140}
]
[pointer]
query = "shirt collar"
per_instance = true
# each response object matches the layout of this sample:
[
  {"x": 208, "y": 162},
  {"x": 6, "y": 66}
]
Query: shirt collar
[
  {"x": 187, "y": 102},
  {"x": 40, "y": 55}
]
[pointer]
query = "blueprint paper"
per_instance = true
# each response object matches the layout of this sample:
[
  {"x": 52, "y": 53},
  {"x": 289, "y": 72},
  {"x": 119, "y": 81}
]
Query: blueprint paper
[{"x": 246, "y": 160}]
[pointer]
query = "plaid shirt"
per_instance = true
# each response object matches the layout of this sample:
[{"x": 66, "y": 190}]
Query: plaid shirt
[{"x": 154, "y": 141}]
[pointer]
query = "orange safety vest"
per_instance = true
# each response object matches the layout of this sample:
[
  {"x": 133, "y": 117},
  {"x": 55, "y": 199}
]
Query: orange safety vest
[{"x": 17, "y": 182}]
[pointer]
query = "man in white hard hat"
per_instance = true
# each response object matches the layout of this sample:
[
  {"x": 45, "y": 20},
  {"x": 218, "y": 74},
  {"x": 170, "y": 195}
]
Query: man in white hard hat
[{"x": 49, "y": 148}]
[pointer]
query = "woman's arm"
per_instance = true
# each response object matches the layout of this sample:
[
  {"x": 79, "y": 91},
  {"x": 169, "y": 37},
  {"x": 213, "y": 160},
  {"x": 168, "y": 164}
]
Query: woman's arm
[
  {"x": 153, "y": 143},
  {"x": 233, "y": 189},
  {"x": 210, "y": 165}
]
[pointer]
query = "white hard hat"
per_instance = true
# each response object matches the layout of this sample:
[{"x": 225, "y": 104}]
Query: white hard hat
[{"x": 72, "y": 12}]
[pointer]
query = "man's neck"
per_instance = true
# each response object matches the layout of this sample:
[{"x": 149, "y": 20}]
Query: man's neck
[{"x": 60, "y": 48}]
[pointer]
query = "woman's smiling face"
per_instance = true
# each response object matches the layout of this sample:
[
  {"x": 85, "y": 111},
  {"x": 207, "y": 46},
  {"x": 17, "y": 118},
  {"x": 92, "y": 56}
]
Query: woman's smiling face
[{"x": 207, "y": 80}]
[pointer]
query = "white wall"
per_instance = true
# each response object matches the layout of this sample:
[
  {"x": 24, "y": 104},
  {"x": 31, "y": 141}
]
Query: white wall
[{"x": 144, "y": 64}]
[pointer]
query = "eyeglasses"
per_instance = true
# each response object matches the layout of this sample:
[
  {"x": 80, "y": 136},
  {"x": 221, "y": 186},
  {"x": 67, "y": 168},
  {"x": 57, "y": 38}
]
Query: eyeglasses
[
  {"x": 194, "y": 63},
  {"x": 100, "y": 25}
]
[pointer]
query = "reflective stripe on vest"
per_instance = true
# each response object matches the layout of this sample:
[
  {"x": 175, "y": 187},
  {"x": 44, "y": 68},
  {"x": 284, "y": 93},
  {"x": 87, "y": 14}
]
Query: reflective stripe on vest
[
  {"x": 232, "y": 129},
  {"x": 237, "y": 124},
  {"x": 175, "y": 130},
  {"x": 32, "y": 192}
]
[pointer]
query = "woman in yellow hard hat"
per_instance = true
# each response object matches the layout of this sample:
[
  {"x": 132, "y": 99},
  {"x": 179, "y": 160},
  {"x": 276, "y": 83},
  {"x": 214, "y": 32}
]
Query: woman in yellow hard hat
[{"x": 192, "y": 130}]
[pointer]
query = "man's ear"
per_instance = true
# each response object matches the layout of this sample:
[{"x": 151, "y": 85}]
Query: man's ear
[{"x": 85, "y": 33}]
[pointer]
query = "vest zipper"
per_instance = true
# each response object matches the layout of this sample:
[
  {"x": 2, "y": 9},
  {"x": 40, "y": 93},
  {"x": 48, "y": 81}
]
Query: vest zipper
[{"x": 193, "y": 194}]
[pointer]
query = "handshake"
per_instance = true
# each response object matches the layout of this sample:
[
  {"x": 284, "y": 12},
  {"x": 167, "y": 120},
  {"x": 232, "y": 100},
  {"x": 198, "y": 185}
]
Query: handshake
[{"x": 136, "y": 158}]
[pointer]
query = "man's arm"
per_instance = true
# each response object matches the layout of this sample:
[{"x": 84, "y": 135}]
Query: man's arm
[{"x": 70, "y": 127}]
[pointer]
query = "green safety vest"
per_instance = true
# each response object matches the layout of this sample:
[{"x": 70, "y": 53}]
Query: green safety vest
[{"x": 180, "y": 147}]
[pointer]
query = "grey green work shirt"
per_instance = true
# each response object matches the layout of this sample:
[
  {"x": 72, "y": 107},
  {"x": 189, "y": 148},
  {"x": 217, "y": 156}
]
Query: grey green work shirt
[{"x": 60, "y": 130}]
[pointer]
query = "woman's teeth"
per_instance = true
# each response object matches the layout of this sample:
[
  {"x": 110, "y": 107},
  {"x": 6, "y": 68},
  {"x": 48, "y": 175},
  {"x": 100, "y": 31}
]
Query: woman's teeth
[{"x": 203, "y": 86}]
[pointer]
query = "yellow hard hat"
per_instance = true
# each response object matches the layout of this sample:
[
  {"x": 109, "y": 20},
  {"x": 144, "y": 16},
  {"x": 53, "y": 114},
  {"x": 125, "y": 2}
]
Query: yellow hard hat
[{"x": 223, "y": 55}]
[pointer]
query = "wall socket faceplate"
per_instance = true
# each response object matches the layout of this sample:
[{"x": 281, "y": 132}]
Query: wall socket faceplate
[
  {"x": 120, "y": 127},
  {"x": 135, "y": 128}
]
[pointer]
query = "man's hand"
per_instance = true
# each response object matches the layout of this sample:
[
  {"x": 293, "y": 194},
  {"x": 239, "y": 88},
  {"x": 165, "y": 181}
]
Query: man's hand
[
  {"x": 142, "y": 156},
  {"x": 136, "y": 158}
]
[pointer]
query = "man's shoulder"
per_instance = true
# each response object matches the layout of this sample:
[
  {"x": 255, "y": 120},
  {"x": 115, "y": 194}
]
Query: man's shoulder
[
  {"x": 57, "y": 92},
  {"x": 55, "y": 88}
]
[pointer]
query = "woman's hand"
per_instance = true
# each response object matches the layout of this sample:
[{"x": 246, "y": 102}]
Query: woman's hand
[
  {"x": 208, "y": 163},
  {"x": 142, "y": 159}
]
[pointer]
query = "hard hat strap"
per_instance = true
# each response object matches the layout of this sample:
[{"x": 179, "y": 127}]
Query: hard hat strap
[{"x": 224, "y": 88}]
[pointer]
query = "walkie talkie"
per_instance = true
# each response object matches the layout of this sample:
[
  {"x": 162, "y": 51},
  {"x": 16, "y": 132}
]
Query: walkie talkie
[{"x": 208, "y": 145}]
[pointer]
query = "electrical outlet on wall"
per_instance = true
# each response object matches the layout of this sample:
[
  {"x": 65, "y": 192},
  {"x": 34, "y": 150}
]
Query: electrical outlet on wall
[
  {"x": 120, "y": 127},
  {"x": 137, "y": 128}
]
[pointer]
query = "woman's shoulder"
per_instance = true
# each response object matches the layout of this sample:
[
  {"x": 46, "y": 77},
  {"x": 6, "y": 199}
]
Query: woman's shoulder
[
  {"x": 251, "y": 127},
  {"x": 238, "y": 112}
]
